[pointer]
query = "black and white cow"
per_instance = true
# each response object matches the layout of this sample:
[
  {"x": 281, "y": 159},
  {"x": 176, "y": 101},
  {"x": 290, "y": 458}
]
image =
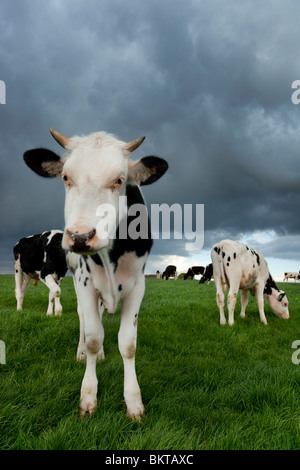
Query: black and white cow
[
  {"x": 40, "y": 257},
  {"x": 207, "y": 275},
  {"x": 238, "y": 267},
  {"x": 101, "y": 224},
  {"x": 194, "y": 271},
  {"x": 170, "y": 271},
  {"x": 291, "y": 275}
]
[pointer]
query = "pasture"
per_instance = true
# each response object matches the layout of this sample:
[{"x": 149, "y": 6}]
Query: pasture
[{"x": 204, "y": 386}]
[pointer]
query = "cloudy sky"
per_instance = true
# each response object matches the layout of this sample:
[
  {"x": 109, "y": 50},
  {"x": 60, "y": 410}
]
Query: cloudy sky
[{"x": 208, "y": 82}]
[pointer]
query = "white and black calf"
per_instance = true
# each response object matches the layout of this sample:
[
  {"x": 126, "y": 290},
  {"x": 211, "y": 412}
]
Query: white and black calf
[
  {"x": 194, "y": 271},
  {"x": 238, "y": 267},
  {"x": 101, "y": 224},
  {"x": 40, "y": 257},
  {"x": 170, "y": 271},
  {"x": 207, "y": 275},
  {"x": 291, "y": 275}
]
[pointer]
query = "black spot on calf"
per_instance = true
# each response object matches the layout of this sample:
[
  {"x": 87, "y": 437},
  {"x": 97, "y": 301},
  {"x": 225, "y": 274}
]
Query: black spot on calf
[
  {"x": 86, "y": 264},
  {"x": 270, "y": 283}
]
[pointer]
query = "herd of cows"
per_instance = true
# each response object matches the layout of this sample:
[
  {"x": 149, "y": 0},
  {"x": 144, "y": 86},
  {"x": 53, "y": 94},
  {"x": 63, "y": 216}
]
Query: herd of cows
[
  {"x": 108, "y": 268},
  {"x": 41, "y": 257},
  {"x": 171, "y": 271}
]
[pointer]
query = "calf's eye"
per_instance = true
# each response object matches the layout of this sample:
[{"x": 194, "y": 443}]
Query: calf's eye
[{"x": 118, "y": 182}]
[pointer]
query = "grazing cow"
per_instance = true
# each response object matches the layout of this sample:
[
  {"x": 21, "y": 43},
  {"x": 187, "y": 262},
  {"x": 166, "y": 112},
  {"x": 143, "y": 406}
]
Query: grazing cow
[
  {"x": 238, "y": 267},
  {"x": 102, "y": 200},
  {"x": 291, "y": 275},
  {"x": 207, "y": 275},
  {"x": 40, "y": 257},
  {"x": 193, "y": 271},
  {"x": 170, "y": 271}
]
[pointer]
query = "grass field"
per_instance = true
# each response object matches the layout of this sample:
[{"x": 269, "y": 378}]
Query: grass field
[{"x": 204, "y": 386}]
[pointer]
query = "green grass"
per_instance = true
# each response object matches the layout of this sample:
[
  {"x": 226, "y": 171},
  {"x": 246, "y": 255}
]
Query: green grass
[{"x": 204, "y": 386}]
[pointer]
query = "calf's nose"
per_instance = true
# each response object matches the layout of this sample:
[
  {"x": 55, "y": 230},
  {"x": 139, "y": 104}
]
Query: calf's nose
[{"x": 80, "y": 239}]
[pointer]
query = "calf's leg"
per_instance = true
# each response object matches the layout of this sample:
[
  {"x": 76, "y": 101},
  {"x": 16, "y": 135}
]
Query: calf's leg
[
  {"x": 93, "y": 336},
  {"x": 21, "y": 286},
  {"x": 231, "y": 302},
  {"x": 244, "y": 302},
  {"x": 81, "y": 349},
  {"x": 127, "y": 345},
  {"x": 260, "y": 303},
  {"x": 54, "y": 295},
  {"x": 220, "y": 300}
]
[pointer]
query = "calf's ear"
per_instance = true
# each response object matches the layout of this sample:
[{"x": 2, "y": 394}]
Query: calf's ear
[
  {"x": 44, "y": 162},
  {"x": 147, "y": 170},
  {"x": 280, "y": 296}
]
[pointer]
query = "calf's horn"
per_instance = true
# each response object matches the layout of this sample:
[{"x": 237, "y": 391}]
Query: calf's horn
[
  {"x": 60, "y": 139},
  {"x": 134, "y": 144}
]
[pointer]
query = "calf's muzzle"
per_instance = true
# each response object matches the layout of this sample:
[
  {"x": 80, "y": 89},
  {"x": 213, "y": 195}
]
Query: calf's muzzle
[{"x": 80, "y": 240}]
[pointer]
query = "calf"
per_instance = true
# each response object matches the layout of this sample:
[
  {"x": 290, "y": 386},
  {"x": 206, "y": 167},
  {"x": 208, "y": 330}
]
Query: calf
[
  {"x": 291, "y": 275},
  {"x": 40, "y": 257},
  {"x": 238, "y": 267},
  {"x": 193, "y": 271},
  {"x": 207, "y": 275},
  {"x": 102, "y": 200},
  {"x": 158, "y": 275},
  {"x": 170, "y": 271}
]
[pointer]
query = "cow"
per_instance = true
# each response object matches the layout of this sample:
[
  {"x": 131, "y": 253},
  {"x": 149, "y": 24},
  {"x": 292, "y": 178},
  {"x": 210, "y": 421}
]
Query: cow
[
  {"x": 158, "y": 274},
  {"x": 101, "y": 202},
  {"x": 207, "y": 275},
  {"x": 170, "y": 271},
  {"x": 193, "y": 271},
  {"x": 291, "y": 275},
  {"x": 40, "y": 257},
  {"x": 239, "y": 267}
]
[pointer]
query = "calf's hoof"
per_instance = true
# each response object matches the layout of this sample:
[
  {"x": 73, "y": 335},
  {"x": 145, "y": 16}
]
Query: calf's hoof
[
  {"x": 85, "y": 413},
  {"x": 135, "y": 417},
  {"x": 87, "y": 407}
]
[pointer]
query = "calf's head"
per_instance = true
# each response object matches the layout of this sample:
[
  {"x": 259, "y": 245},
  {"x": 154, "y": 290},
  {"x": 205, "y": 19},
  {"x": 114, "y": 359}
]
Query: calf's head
[
  {"x": 279, "y": 303},
  {"x": 95, "y": 171}
]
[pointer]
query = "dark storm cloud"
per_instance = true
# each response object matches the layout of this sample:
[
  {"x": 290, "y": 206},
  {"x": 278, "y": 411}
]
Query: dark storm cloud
[{"x": 208, "y": 83}]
